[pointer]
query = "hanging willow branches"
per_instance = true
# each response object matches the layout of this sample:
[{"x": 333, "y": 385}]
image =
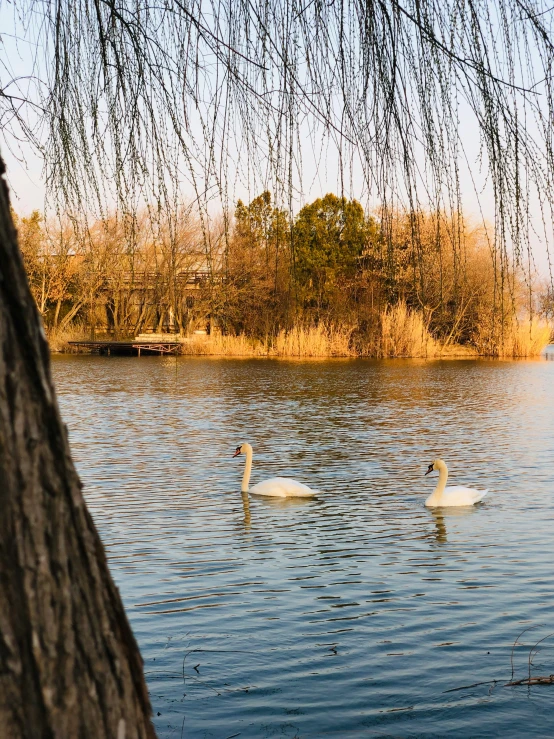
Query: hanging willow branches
[{"x": 405, "y": 102}]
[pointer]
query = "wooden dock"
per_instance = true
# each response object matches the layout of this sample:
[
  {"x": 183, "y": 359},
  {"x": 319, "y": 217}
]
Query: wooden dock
[{"x": 143, "y": 344}]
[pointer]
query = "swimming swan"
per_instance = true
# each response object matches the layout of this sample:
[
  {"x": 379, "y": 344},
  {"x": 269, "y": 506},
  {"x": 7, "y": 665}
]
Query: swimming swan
[
  {"x": 277, "y": 487},
  {"x": 443, "y": 496}
]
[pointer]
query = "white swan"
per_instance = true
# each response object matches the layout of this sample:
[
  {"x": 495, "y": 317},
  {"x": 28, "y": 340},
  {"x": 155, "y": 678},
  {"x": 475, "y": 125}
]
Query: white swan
[
  {"x": 277, "y": 487},
  {"x": 454, "y": 496}
]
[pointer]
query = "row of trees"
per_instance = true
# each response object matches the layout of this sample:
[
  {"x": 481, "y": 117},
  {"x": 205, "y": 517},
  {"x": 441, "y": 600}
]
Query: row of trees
[
  {"x": 119, "y": 275},
  {"x": 333, "y": 264}
]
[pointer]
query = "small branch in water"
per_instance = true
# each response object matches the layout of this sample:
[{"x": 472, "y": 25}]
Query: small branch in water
[
  {"x": 514, "y": 646},
  {"x": 533, "y": 652},
  {"x": 537, "y": 680},
  {"x": 473, "y": 685},
  {"x": 529, "y": 680}
]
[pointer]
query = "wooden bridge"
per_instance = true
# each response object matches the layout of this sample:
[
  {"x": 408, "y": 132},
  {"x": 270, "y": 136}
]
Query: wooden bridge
[{"x": 142, "y": 344}]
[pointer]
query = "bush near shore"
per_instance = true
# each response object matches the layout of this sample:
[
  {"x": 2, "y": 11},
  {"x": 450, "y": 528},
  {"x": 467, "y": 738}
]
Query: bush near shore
[{"x": 332, "y": 281}]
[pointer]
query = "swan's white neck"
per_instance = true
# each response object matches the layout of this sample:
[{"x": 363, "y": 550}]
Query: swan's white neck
[
  {"x": 443, "y": 477},
  {"x": 247, "y": 449}
]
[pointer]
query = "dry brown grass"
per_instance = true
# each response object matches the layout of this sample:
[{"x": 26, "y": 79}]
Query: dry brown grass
[
  {"x": 314, "y": 341},
  {"x": 59, "y": 340},
  {"x": 224, "y": 346},
  {"x": 404, "y": 334},
  {"x": 525, "y": 338},
  {"x": 517, "y": 337},
  {"x": 311, "y": 341}
]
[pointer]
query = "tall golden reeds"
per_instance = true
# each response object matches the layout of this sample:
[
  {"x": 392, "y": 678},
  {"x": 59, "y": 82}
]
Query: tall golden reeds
[
  {"x": 224, "y": 346},
  {"x": 301, "y": 341},
  {"x": 525, "y": 338},
  {"x": 404, "y": 334},
  {"x": 314, "y": 341},
  {"x": 514, "y": 337}
]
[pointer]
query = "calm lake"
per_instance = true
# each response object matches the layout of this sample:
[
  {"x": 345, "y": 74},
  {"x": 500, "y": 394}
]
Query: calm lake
[{"x": 350, "y": 615}]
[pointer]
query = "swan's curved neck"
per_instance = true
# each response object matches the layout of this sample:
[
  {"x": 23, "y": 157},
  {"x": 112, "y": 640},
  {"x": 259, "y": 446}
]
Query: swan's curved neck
[
  {"x": 247, "y": 467},
  {"x": 443, "y": 477}
]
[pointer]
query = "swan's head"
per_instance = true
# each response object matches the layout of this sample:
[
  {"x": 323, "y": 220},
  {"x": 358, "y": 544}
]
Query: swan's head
[
  {"x": 438, "y": 464},
  {"x": 238, "y": 451}
]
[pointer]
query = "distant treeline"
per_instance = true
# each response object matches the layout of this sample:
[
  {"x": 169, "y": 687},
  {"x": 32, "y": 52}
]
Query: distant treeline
[{"x": 265, "y": 276}]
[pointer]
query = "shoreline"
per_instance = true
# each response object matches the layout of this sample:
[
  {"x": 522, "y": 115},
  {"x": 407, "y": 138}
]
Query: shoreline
[{"x": 441, "y": 356}]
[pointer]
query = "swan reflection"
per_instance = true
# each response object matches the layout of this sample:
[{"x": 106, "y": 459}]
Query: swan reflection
[
  {"x": 246, "y": 509},
  {"x": 440, "y": 526},
  {"x": 284, "y": 502},
  {"x": 271, "y": 503},
  {"x": 440, "y": 516}
]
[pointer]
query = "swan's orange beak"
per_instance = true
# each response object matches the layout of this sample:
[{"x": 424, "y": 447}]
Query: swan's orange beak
[
  {"x": 237, "y": 452},
  {"x": 429, "y": 469}
]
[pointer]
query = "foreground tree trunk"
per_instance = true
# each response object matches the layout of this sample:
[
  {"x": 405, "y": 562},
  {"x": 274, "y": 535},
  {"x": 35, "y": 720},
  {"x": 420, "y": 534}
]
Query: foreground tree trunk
[{"x": 69, "y": 664}]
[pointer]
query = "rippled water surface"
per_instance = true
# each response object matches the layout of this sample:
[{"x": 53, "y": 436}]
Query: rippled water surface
[{"x": 350, "y": 615}]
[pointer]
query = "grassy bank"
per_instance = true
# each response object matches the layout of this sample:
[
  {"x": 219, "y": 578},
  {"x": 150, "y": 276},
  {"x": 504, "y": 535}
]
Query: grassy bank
[{"x": 400, "y": 332}]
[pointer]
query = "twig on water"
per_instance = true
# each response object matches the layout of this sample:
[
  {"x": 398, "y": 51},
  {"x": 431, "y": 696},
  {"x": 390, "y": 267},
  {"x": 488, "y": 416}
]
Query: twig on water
[
  {"x": 514, "y": 646},
  {"x": 473, "y": 685},
  {"x": 533, "y": 652},
  {"x": 529, "y": 680},
  {"x": 537, "y": 680}
]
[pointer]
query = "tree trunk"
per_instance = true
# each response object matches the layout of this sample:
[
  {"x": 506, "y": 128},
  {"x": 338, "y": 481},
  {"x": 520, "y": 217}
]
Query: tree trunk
[
  {"x": 57, "y": 313},
  {"x": 69, "y": 664}
]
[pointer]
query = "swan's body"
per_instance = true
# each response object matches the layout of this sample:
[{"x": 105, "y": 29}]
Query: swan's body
[
  {"x": 276, "y": 487},
  {"x": 452, "y": 496}
]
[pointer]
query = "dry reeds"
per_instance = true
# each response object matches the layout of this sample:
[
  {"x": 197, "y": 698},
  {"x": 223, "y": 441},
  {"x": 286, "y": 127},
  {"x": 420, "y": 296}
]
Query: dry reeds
[
  {"x": 301, "y": 341},
  {"x": 526, "y": 338},
  {"x": 518, "y": 337},
  {"x": 314, "y": 341},
  {"x": 59, "y": 338},
  {"x": 224, "y": 346},
  {"x": 404, "y": 334}
]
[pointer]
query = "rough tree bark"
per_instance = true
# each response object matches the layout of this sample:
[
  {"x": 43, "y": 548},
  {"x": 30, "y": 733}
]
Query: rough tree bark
[{"x": 69, "y": 664}]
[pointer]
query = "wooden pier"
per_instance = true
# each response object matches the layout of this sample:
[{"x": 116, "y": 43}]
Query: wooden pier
[{"x": 143, "y": 344}]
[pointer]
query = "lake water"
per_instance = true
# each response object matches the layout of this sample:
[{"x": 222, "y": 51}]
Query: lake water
[{"x": 350, "y": 615}]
